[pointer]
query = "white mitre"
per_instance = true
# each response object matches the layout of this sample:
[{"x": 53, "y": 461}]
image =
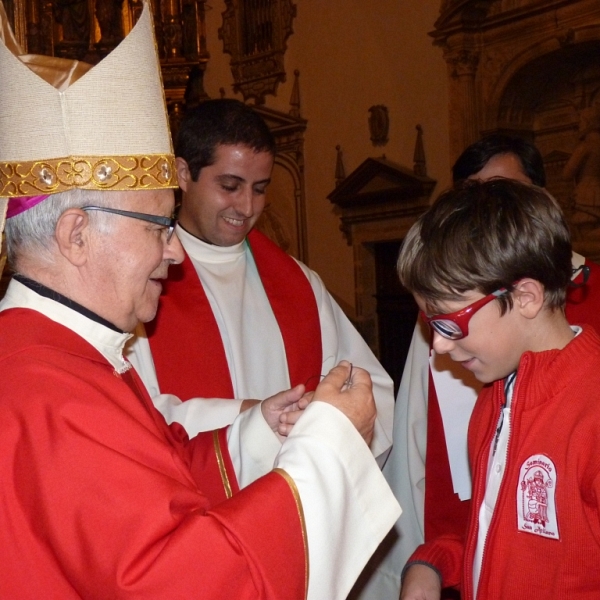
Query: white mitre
[{"x": 65, "y": 124}]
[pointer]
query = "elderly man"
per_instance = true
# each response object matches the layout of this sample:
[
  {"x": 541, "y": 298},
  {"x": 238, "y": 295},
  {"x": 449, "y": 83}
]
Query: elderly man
[
  {"x": 251, "y": 320},
  {"x": 100, "y": 497}
]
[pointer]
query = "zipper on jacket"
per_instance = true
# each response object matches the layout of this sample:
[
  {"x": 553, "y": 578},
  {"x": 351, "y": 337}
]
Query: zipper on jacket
[{"x": 482, "y": 467}]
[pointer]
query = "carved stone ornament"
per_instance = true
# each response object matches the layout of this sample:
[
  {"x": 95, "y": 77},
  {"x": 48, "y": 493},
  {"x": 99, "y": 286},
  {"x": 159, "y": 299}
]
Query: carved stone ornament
[
  {"x": 255, "y": 33},
  {"x": 379, "y": 124}
]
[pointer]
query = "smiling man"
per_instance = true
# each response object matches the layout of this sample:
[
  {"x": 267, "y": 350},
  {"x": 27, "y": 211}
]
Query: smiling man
[{"x": 250, "y": 319}]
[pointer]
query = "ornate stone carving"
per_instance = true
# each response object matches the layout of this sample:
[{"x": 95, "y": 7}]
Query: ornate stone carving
[
  {"x": 378, "y": 202},
  {"x": 255, "y": 33},
  {"x": 463, "y": 62},
  {"x": 583, "y": 165},
  {"x": 379, "y": 124}
]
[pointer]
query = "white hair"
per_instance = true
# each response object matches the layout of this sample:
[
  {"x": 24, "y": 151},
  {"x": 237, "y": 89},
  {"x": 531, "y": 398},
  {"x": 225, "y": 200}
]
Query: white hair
[{"x": 32, "y": 233}]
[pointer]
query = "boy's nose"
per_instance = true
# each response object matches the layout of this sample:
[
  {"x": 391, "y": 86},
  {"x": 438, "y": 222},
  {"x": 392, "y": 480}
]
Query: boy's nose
[{"x": 441, "y": 344}]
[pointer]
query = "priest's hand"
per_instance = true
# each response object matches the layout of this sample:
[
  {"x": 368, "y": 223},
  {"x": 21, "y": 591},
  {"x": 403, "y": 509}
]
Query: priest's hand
[
  {"x": 282, "y": 410},
  {"x": 350, "y": 390},
  {"x": 420, "y": 583}
]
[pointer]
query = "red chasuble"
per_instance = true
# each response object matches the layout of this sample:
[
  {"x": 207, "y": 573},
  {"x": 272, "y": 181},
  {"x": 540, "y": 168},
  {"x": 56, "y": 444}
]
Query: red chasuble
[
  {"x": 445, "y": 513},
  {"x": 101, "y": 499},
  {"x": 186, "y": 344}
]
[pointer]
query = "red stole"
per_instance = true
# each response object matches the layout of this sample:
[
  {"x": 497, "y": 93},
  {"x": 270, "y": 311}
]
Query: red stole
[
  {"x": 185, "y": 341},
  {"x": 445, "y": 513}
]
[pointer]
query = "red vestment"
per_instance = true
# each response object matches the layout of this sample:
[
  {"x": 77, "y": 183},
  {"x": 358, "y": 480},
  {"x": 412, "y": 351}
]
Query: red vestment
[
  {"x": 196, "y": 364},
  {"x": 101, "y": 499}
]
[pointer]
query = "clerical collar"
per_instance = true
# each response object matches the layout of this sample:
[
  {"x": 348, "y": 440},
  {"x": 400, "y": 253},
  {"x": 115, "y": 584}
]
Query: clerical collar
[
  {"x": 196, "y": 237},
  {"x": 209, "y": 253},
  {"x": 46, "y": 292}
]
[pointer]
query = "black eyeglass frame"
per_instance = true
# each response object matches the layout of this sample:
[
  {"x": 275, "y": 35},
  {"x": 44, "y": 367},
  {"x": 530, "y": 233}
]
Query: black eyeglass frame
[{"x": 167, "y": 222}]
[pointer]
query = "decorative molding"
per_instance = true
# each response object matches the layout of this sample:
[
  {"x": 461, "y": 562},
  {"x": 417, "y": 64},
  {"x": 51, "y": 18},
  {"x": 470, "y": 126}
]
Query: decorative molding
[
  {"x": 463, "y": 62},
  {"x": 378, "y": 190},
  {"x": 289, "y": 131},
  {"x": 378, "y": 202}
]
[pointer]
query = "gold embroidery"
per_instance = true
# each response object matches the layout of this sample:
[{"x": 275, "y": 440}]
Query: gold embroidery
[
  {"x": 298, "y": 500},
  {"x": 120, "y": 173},
  {"x": 221, "y": 463}
]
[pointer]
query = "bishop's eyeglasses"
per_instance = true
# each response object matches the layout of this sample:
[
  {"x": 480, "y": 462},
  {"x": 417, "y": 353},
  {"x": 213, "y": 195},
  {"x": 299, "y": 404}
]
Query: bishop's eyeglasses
[{"x": 167, "y": 222}]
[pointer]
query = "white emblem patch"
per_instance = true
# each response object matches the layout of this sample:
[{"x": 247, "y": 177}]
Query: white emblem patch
[{"x": 536, "y": 508}]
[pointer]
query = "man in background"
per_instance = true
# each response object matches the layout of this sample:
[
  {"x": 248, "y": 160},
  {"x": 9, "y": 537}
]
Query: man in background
[{"x": 249, "y": 319}]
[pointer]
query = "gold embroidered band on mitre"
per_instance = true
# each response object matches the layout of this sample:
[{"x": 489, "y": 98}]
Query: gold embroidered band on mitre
[{"x": 119, "y": 173}]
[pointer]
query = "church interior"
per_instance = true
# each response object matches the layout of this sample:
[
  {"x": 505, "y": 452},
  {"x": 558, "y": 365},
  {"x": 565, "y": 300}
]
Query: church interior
[{"x": 370, "y": 104}]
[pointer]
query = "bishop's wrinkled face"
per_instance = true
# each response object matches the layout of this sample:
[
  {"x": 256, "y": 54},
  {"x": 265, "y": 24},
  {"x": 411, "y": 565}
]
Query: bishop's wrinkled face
[
  {"x": 227, "y": 199},
  {"x": 131, "y": 261}
]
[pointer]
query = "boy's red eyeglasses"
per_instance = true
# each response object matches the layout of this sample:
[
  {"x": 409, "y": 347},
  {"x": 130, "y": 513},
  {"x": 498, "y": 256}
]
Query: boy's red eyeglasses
[{"x": 455, "y": 326}]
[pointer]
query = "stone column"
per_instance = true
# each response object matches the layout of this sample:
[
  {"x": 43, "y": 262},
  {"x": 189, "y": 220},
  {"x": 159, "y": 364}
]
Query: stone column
[{"x": 464, "y": 121}]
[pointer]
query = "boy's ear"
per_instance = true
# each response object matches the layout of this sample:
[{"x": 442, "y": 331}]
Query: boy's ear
[
  {"x": 72, "y": 237},
  {"x": 183, "y": 173},
  {"x": 529, "y": 297}
]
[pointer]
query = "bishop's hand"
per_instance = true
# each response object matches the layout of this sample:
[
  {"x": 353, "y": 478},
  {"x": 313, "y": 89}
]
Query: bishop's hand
[{"x": 350, "y": 390}]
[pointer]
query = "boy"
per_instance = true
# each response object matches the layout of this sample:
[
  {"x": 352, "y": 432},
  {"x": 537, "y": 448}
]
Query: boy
[{"x": 489, "y": 265}]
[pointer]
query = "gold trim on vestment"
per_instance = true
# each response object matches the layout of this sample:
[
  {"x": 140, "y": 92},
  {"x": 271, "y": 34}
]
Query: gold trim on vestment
[
  {"x": 119, "y": 173},
  {"x": 298, "y": 500},
  {"x": 221, "y": 463}
]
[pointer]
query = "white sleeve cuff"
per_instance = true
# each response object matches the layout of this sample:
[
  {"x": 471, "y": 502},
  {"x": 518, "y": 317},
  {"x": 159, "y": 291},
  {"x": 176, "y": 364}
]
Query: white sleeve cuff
[
  {"x": 253, "y": 446},
  {"x": 197, "y": 414},
  {"x": 348, "y": 506}
]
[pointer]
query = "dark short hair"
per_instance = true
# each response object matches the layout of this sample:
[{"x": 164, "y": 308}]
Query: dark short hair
[
  {"x": 220, "y": 122},
  {"x": 486, "y": 235},
  {"x": 477, "y": 155}
]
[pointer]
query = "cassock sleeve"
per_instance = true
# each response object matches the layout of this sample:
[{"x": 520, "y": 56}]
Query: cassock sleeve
[
  {"x": 347, "y": 504},
  {"x": 341, "y": 341},
  {"x": 196, "y": 414}
]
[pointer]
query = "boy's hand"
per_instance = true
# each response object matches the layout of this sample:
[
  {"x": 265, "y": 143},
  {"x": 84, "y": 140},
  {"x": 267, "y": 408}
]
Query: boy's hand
[{"x": 421, "y": 583}]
